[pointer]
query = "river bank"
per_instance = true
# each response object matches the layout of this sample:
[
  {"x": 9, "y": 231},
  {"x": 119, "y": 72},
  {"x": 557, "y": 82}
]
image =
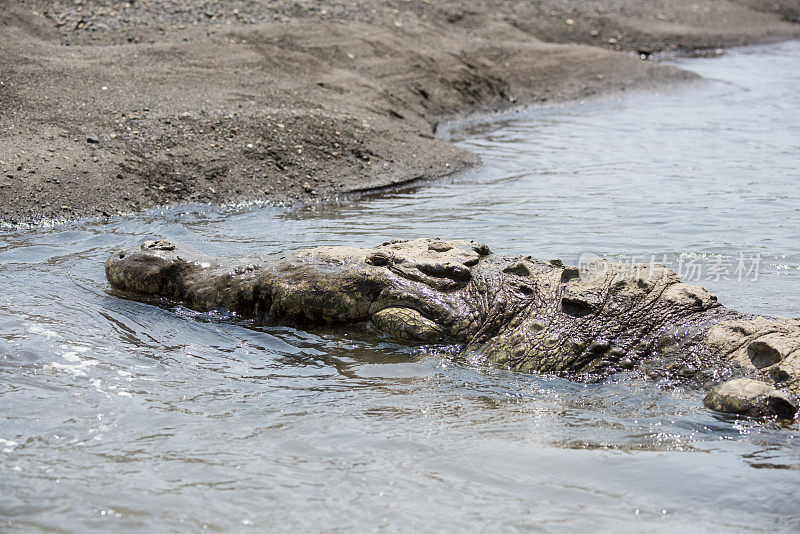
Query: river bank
[{"x": 110, "y": 108}]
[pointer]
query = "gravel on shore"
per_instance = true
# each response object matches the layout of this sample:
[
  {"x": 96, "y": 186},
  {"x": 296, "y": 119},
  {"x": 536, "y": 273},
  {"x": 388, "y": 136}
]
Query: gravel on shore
[{"x": 109, "y": 107}]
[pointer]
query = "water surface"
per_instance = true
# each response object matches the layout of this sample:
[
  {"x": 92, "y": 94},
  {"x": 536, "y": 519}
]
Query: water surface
[{"x": 117, "y": 414}]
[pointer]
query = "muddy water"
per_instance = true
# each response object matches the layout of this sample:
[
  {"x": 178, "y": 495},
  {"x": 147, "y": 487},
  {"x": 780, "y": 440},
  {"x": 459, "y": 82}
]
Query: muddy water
[{"x": 116, "y": 414}]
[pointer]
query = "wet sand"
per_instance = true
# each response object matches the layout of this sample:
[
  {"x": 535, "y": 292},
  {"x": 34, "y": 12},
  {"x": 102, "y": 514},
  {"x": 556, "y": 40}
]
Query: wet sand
[{"x": 108, "y": 108}]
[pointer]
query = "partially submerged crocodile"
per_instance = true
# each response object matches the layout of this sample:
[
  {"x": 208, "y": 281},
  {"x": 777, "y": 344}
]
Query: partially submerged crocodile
[{"x": 512, "y": 312}]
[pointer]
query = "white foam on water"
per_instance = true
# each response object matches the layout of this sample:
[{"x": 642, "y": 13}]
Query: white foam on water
[
  {"x": 33, "y": 328},
  {"x": 8, "y": 445}
]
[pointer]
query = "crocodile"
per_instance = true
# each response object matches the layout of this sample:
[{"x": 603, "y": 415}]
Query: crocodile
[{"x": 512, "y": 312}]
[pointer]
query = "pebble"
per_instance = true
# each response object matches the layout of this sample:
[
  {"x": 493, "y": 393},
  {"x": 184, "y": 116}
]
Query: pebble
[{"x": 92, "y": 140}]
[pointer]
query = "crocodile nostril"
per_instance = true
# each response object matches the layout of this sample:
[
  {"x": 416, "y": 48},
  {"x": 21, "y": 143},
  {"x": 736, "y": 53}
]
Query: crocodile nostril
[
  {"x": 158, "y": 245},
  {"x": 121, "y": 255}
]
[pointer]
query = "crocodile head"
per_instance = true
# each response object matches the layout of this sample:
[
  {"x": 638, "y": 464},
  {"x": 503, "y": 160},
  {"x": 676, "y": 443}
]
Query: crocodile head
[{"x": 413, "y": 289}]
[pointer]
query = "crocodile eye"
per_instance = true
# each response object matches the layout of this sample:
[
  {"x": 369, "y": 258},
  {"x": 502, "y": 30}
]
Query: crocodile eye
[
  {"x": 453, "y": 271},
  {"x": 379, "y": 259}
]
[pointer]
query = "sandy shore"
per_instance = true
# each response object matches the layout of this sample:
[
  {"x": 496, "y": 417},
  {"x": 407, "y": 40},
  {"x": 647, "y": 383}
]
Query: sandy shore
[{"x": 110, "y": 107}]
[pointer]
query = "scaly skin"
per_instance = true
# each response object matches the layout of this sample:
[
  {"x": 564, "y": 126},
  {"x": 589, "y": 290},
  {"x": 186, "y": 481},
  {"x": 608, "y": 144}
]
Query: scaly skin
[{"x": 512, "y": 312}]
